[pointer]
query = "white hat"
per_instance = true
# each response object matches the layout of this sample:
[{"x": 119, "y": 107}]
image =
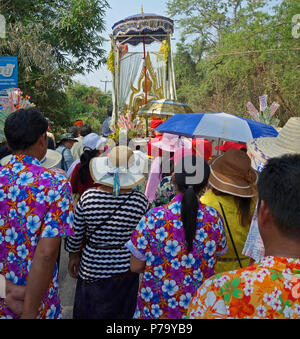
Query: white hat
[
  {"x": 93, "y": 141},
  {"x": 51, "y": 159},
  {"x": 287, "y": 141},
  {"x": 122, "y": 169}
]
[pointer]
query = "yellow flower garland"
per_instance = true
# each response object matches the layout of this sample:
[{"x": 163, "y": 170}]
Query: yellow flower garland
[{"x": 111, "y": 61}]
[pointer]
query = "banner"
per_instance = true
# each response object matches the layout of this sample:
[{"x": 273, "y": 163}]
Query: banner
[{"x": 8, "y": 74}]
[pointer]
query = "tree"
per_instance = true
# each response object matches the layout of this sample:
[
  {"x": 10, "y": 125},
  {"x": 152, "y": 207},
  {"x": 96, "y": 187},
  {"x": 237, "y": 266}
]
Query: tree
[
  {"x": 71, "y": 27},
  {"x": 53, "y": 41},
  {"x": 87, "y": 103},
  {"x": 253, "y": 54}
]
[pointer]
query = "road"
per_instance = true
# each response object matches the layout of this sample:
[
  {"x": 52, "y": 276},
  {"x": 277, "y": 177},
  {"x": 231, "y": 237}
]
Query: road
[{"x": 67, "y": 286}]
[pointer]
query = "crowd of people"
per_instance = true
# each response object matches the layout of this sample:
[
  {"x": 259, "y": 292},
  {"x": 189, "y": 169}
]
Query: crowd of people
[{"x": 180, "y": 232}]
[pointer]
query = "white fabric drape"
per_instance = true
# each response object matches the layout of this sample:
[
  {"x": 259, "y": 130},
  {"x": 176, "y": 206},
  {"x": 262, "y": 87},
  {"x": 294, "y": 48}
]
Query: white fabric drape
[{"x": 129, "y": 67}]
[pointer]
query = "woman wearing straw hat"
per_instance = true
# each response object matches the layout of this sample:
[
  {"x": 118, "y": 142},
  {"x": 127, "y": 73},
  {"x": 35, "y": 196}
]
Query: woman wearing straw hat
[
  {"x": 106, "y": 216},
  {"x": 232, "y": 189}
]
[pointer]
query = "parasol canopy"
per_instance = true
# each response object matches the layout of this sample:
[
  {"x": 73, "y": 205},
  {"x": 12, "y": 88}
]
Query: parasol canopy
[
  {"x": 164, "y": 108},
  {"x": 146, "y": 25},
  {"x": 216, "y": 125}
]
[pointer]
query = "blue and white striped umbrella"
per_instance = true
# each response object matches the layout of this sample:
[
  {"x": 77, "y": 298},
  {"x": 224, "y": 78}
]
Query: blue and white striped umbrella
[{"x": 216, "y": 125}]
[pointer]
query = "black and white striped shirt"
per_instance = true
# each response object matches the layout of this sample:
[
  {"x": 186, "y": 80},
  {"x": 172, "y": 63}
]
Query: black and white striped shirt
[{"x": 104, "y": 254}]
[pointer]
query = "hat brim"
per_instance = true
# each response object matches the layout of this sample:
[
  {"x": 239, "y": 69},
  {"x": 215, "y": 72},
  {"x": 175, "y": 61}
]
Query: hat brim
[
  {"x": 266, "y": 148},
  {"x": 230, "y": 185},
  {"x": 51, "y": 159},
  {"x": 99, "y": 169}
]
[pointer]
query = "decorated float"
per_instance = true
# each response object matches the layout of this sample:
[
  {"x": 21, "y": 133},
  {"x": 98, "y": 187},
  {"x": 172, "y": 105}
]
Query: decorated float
[{"x": 139, "y": 75}]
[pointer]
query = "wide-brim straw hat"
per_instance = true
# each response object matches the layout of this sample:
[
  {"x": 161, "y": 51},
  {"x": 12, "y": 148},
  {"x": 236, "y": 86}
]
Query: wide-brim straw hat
[
  {"x": 122, "y": 169},
  {"x": 51, "y": 159},
  {"x": 232, "y": 173},
  {"x": 286, "y": 142}
]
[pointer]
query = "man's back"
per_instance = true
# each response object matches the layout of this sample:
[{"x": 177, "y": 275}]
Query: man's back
[
  {"x": 34, "y": 203},
  {"x": 267, "y": 290}
]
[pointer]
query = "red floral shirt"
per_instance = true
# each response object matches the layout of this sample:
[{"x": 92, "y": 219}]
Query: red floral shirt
[{"x": 269, "y": 289}]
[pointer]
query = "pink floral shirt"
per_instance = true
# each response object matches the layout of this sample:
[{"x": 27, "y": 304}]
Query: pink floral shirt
[
  {"x": 172, "y": 275},
  {"x": 34, "y": 203}
]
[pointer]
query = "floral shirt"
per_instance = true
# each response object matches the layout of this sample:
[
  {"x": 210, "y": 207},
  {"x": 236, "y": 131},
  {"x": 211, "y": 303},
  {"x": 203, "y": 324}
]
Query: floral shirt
[
  {"x": 269, "y": 289},
  {"x": 172, "y": 275},
  {"x": 34, "y": 203}
]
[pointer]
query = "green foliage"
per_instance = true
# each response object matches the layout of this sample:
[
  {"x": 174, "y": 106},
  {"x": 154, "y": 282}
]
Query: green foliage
[
  {"x": 87, "y": 103},
  {"x": 53, "y": 40},
  {"x": 244, "y": 49}
]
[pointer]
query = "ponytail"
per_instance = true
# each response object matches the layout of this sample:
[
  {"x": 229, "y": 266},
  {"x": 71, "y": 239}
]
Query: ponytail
[
  {"x": 190, "y": 200},
  {"x": 189, "y": 212}
]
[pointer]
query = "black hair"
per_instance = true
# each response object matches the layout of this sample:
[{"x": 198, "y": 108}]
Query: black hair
[
  {"x": 85, "y": 130},
  {"x": 167, "y": 166},
  {"x": 279, "y": 186},
  {"x": 109, "y": 111},
  {"x": 23, "y": 128},
  {"x": 85, "y": 159},
  {"x": 191, "y": 176},
  {"x": 74, "y": 131},
  {"x": 243, "y": 206},
  {"x": 50, "y": 143}
]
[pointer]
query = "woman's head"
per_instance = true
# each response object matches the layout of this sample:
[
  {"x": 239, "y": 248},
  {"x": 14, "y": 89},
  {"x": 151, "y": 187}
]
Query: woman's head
[
  {"x": 232, "y": 173},
  {"x": 191, "y": 172},
  {"x": 93, "y": 146},
  {"x": 191, "y": 176}
]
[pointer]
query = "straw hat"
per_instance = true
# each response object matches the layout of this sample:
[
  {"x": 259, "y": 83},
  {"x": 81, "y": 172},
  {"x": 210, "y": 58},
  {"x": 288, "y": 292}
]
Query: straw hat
[
  {"x": 287, "y": 141},
  {"x": 51, "y": 159},
  {"x": 122, "y": 169},
  {"x": 232, "y": 173}
]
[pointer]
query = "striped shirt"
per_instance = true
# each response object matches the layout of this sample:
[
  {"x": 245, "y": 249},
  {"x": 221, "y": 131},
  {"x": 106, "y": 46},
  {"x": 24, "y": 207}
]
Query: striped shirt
[{"x": 104, "y": 254}]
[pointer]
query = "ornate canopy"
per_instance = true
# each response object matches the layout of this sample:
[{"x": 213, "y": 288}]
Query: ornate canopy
[{"x": 146, "y": 25}]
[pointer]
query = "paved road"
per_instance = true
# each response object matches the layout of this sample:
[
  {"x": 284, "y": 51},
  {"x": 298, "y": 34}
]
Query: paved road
[{"x": 67, "y": 286}]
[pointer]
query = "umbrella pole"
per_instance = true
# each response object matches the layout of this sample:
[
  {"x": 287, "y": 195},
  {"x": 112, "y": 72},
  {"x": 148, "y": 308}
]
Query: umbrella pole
[{"x": 147, "y": 127}]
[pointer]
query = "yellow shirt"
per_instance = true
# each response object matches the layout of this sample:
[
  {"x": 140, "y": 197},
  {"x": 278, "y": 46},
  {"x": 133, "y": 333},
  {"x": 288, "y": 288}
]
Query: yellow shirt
[{"x": 238, "y": 231}]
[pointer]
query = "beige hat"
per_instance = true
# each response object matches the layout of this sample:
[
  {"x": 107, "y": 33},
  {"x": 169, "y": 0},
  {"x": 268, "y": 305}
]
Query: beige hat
[
  {"x": 287, "y": 141},
  {"x": 51, "y": 159},
  {"x": 122, "y": 169},
  {"x": 232, "y": 173}
]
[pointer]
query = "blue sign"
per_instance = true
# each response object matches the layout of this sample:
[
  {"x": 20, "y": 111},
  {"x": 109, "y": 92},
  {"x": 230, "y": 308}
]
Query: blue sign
[{"x": 8, "y": 74}]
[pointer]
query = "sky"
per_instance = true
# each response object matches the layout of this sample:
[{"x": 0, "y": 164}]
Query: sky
[{"x": 120, "y": 9}]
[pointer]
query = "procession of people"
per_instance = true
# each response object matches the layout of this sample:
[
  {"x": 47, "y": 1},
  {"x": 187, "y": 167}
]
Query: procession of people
[
  {"x": 214, "y": 235},
  {"x": 150, "y": 209}
]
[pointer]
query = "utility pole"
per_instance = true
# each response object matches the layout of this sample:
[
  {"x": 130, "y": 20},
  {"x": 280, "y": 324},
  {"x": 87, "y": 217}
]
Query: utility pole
[{"x": 105, "y": 81}]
